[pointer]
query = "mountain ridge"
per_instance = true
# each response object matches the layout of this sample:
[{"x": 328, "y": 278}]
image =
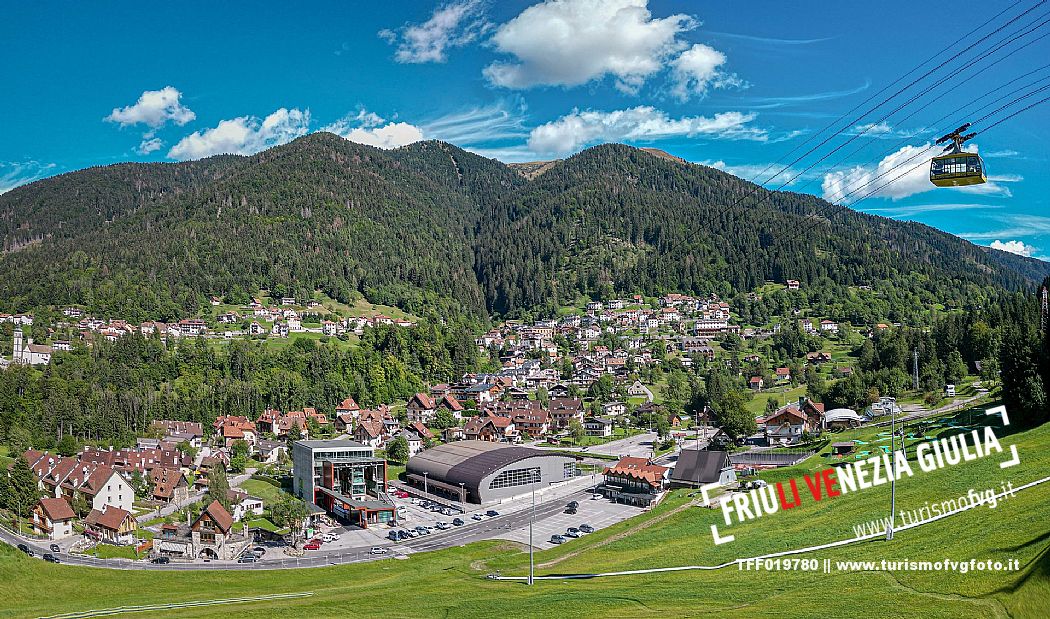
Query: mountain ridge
[{"x": 430, "y": 225}]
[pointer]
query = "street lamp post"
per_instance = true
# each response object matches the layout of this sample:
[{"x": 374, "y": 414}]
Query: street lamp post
[
  {"x": 893, "y": 477},
  {"x": 462, "y": 493},
  {"x": 425, "y": 491},
  {"x": 532, "y": 517}
]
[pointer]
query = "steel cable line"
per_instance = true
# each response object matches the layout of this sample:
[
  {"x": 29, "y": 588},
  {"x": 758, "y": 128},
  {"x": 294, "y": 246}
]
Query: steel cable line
[
  {"x": 838, "y": 208},
  {"x": 958, "y": 112},
  {"x": 1000, "y": 44},
  {"x": 905, "y": 140},
  {"x": 884, "y": 89}
]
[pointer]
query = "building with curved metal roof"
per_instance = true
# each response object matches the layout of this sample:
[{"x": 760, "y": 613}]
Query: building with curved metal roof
[{"x": 484, "y": 471}]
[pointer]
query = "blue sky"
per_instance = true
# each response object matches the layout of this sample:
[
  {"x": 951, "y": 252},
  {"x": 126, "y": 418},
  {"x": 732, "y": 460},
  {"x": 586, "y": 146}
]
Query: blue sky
[{"x": 722, "y": 83}]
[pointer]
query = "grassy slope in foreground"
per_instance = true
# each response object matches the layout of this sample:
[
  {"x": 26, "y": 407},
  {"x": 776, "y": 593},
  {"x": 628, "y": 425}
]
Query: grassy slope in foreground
[{"x": 450, "y": 582}]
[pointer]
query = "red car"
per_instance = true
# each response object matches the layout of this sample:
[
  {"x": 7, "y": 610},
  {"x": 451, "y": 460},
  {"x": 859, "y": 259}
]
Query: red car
[{"x": 312, "y": 545}]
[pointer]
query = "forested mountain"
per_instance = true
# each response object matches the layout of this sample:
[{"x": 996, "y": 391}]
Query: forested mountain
[{"x": 440, "y": 231}]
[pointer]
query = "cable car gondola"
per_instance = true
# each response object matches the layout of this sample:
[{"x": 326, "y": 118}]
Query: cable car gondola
[{"x": 957, "y": 168}]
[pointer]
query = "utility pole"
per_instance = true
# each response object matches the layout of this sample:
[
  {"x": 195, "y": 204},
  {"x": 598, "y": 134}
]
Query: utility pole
[{"x": 532, "y": 517}]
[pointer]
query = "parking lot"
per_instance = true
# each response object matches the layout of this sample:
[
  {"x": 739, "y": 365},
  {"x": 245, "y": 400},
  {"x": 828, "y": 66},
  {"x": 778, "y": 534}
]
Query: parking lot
[{"x": 599, "y": 513}]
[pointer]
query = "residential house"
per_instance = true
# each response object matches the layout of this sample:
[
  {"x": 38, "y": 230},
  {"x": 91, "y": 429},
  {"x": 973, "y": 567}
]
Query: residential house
[
  {"x": 639, "y": 390},
  {"x": 421, "y": 407},
  {"x": 787, "y": 425},
  {"x": 53, "y": 518},
  {"x": 563, "y": 411},
  {"x": 756, "y": 383},
  {"x": 169, "y": 485},
  {"x": 111, "y": 524},
  {"x": 599, "y": 426},
  {"x": 244, "y": 504},
  {"x": 370, "y": 432},
  {"x": 783, "y": 375},
  {"x": 829, "y": 326}
]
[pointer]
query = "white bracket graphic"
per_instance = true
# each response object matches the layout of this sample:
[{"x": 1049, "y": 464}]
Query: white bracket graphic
[
  {"x": 720, "y": 540},
  {"x": 999, "y": 410},
  {"x": 1012, "y": 461}
]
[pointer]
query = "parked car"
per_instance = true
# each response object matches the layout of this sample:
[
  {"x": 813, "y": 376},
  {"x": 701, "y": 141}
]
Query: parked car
[
  {"x": 596, "y": 497},
  {"x": 492, "y": 513},
  {"x": 570, "y": 510},
  {"x": 458, "y": 522},
  {"x": 329, "y": 537},
  {"x": 402, "y": 535},
  {"x": 312, "y": 545},
  {"x": 442, "y": 526},
  {"x": 393, "y": 536},
  {"x": 160, "y": 560},
  {"x": 477, "y": 517},
  {"x": 558, "y": 539},
  {"x": 423, "y": 530},
  {"x": 25, "y": 549},
  {"x": 258, "y": 551},
  {"x": 586, "y": 528},
  {"x": 573, "y": 504},
  {"x": 412, "y": 533},
  {"x": 377, "y": 550},
  {"x": 50, "y": 558},
  {"x": 447, "y": 511},
  {"x": 55, "y": 548},
  {"x": 572, "y": 532},
  {"x": 249, "y": 558}
]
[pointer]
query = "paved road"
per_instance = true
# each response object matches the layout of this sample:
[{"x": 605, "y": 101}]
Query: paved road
[{"x": 473, "y": 531}]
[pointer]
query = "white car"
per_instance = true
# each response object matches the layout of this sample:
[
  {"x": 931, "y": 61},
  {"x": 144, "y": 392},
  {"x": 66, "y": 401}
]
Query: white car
[
  {"x": 328, "y": 537},
  {"x": 377, "y": 550},
  {"x": 596, "y": 497}
]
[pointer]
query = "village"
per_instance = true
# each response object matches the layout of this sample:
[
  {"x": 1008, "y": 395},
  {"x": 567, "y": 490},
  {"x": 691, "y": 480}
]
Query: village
[{"x": 580, "y": 395}]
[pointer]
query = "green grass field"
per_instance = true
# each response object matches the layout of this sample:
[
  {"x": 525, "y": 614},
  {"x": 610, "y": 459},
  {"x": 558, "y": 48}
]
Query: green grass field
[
  {"x": 265, "y": 491},
  {"x": 451, "y": 582}
]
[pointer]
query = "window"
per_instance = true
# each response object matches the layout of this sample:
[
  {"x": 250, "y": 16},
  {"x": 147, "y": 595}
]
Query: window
[
  {"x": 568, "y": 470},
  {"x": 515, "y": 477}
]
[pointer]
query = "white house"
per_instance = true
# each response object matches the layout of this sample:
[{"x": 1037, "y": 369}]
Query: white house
[
  {"x": 53, "y": 518},
  {"x": 243, "y": 504}
]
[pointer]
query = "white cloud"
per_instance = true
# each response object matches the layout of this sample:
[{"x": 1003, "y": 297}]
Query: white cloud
[
  {"x": 149, "y": 145},
  {"x": 369, "y": 128},
  {"x": 487, "y": 123},
  {"x": 1016, "y": 224},
  {"x": 154, "y": 109},
  {"x": 451, "y": 25},
  {"x": 578, "y": 129},
  {"x": 572, "y": 42},
  {"x": 1014, "y": 247},
  {"x": 16, "y": 173},
  {"x": 695, "y": 69},
  {"x": 243, "y": 135}
]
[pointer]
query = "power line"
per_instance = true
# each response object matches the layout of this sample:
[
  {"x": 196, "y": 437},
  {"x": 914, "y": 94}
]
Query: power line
[
  {"x": 884, "y": 89},
  {"x": 843, "y": 207}
]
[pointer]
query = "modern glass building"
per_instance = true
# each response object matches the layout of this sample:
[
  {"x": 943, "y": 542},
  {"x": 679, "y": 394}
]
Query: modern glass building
[{"x": 344, "y": 478}]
